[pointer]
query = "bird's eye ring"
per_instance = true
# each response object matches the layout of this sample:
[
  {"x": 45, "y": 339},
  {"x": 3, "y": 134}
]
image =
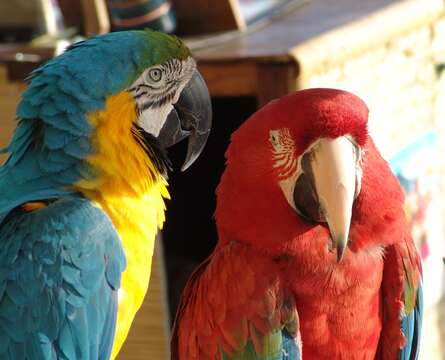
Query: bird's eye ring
[
  {"x": 273, "y": 137},
  {"x": 155, "y": 75}
]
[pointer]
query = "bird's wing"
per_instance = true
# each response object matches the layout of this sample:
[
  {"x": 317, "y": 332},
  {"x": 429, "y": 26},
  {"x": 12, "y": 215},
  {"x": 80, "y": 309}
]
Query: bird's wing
[
  {"x": 60, "y": 269},
  {"x": 235, "y": 307},
  {"x": 402, "y": 302}
]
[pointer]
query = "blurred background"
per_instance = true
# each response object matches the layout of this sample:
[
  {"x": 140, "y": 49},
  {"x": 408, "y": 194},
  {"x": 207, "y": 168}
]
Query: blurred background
[{"x": 390, "y": 53}]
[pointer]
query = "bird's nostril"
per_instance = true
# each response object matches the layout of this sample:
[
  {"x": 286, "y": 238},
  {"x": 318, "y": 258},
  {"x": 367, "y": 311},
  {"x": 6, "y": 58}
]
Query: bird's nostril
[{"x": 188, "y": 123}]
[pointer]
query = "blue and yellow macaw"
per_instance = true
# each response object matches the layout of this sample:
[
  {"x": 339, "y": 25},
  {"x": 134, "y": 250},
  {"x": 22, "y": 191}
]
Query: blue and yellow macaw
[{"x": 81, "y": 194}]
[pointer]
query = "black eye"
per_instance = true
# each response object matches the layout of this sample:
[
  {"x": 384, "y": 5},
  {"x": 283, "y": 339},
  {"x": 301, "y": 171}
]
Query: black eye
[
  {"x": 155, "y": 75},
  {"x": 273, "y": 139}
]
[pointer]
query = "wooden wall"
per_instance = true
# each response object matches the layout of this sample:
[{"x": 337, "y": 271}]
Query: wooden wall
[
  {"x": 197, "y": 17},
  {"x": 150, "y": 332},
  {"x": 9, "y": 97}
]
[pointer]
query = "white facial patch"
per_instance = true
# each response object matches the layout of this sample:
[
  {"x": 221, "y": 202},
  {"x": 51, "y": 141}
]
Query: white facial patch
[
  {"x": 290, "y": 167},
  {"x": 153, "y": 120},
  {"x": 285, "y": 160},
  {"x": 158, "y": 89}
]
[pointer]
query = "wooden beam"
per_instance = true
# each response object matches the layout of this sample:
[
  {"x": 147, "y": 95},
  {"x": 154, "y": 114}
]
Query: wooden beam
[
  {"x": 197, "y": 17},
  {"x": 9, "y": 98},
  {"x": 96, "y": 17},
  {"x": 230, "y": 79},
  {"x": 150, "y": 332},
  {"x": 72, "y": 14},
  {"x": 275, "y": 80}
]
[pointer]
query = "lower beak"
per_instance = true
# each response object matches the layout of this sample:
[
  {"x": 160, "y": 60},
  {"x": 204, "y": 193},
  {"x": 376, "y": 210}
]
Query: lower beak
[
  {"x": 334, "y": 173},
  {"x": 191, "y": 117}
]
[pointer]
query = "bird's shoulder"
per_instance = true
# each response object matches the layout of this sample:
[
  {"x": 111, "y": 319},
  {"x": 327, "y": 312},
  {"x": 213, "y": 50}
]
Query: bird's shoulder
[
  {"x": 61, "y": 266},
  {"x": 236, "y": 304},
  {"x": 402, "y": 300}
]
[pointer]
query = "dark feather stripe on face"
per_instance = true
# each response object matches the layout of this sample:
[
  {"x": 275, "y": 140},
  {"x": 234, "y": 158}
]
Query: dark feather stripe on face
[
  {"x": 157, "y": 155},
  {"x": 155, "y": 104},
  {"x": 142, "y": 86},
  {"x": 146, "y": 93}
]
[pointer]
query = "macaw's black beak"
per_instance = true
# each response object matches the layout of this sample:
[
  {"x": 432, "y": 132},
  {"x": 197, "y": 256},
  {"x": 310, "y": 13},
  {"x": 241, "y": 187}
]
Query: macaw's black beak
[{"x": 191, "y": 117}]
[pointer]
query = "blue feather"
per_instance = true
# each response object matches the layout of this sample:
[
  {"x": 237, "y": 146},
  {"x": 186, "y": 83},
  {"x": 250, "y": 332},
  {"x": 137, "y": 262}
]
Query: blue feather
[
  {"x": 54, "y": 161},
  {"x": 55, "y": 139},
  {"x": 61, "y": 122},
  {"x": 4, "y": 341},
  {"x": 46, "y": 348},
  {"x": 78, "y": 148},
  {"x": 27, "y": 111},
  {"x": 16, "y": 350},
  {"x": 66, "y": 342},
  {"x": 411, "y": 327},
  {"x": 113, "y": 273},
  {"x": 58, "y": 316},
  {"x": 20, "y": 144},
  {"x": 49, "y": 109},
  {"x": 67, "y": 103},
  {"x": 106, "y": 341},
  {"x": 66, "y": 177},
  {"x": 38, "y": 96},
  {"x": 291, "y": 350},
  {"x": 69, "y": 85}
]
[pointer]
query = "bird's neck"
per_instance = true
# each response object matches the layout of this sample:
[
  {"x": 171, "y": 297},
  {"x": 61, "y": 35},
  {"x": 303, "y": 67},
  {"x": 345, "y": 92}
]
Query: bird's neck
[
  {"x": 130, "y": 190},
  {"x": 137, "y": 218},
  {"x": 124, "y": 180}
]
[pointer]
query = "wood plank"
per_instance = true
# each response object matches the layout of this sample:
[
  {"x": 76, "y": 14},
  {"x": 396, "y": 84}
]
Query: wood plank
[
  {"x": 344, "y": 42},
  {"x": 96, "y": 19},
  {"x": 275, "y": 80},
  {"x": 310, "y": 20},
  {"x": 9, "y": 98},
  {"x": 196, "y": 17},
  {"x": 236, "y": 10},
  {"x": 72, "y": 14},
  {"x": 230, "y": 79},
  {"x": 150, "y": 332}
]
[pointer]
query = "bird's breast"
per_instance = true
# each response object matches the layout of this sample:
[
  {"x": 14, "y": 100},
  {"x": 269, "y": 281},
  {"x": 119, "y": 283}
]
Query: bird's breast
[
  {"x": 339, "y": 305},
  {"x": 137, "y": 219}
]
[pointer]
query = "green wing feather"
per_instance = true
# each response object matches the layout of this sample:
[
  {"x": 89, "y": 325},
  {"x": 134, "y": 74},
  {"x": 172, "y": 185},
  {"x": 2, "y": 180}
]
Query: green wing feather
[{"x": 235, "y": 308}]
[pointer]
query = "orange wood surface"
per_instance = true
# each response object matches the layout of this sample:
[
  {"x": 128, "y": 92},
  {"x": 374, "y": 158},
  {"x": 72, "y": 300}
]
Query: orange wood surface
[
  {"x": 9, "y": 97},
  {"x": 203, "y": 16},
  {"x": 150, "y": 332}
]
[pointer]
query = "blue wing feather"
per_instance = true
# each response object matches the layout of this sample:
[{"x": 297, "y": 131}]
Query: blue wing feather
[
  {"x": 411, "y": 327},
  {"x": 291, "y": 350},
  {"x": 58, "y": 301},
  {"x": 106, "y": 344}
]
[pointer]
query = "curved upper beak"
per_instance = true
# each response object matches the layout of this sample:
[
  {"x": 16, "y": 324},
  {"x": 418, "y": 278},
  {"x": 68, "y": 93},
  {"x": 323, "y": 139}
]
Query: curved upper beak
[
  {"x": 334, "y": 167},
  {"x": 191, "y": 117}
]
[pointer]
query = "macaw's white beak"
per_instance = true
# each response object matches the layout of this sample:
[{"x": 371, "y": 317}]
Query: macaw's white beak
[{"x": 334, "y": 168}]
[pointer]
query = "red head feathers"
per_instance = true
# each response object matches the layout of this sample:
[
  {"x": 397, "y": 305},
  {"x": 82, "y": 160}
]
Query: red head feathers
[{"x": 285, "y": 166}]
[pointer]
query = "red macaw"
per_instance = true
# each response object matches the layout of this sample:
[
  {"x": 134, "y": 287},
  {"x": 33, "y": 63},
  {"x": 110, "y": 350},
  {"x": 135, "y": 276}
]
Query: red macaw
[{"x": 314, "y": 258}]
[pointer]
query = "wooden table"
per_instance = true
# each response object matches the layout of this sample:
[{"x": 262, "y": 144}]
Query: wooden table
[{"x": 272, "y": 60}]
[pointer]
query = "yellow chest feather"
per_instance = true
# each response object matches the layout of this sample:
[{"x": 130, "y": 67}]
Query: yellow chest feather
[{"x": 130, "y": 190}]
